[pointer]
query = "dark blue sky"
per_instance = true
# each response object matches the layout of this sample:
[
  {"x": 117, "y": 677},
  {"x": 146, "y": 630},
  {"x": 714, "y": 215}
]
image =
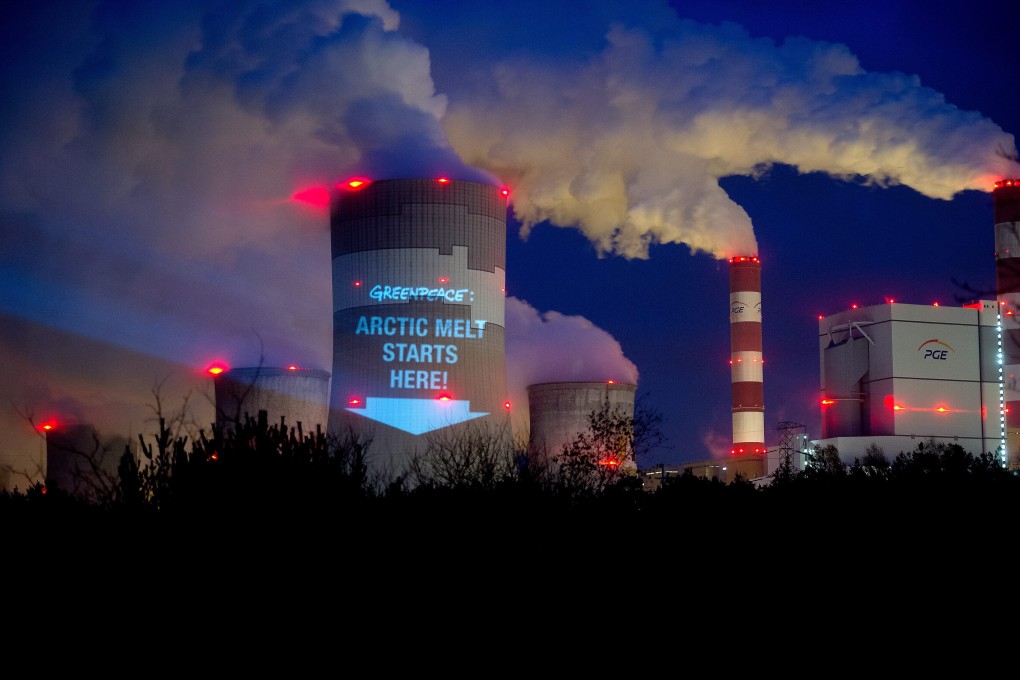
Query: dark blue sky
[{"x": 149, "y": 153}]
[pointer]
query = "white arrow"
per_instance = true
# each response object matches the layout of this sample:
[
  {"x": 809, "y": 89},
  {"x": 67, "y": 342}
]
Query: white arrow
[{"x": 417, "y": 416}]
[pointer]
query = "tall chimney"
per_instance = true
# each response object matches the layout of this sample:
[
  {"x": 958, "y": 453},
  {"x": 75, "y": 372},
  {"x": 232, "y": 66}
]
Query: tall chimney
[
  {"x": 745, "y": 357},
  {"x": 1006, "y": 198}
]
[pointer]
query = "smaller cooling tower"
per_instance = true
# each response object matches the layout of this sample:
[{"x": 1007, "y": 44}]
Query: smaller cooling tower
[
  {"x": 560, "y": 411},
  {"x": 296, "y": 395},
  {"x": 82, "y": 463}
]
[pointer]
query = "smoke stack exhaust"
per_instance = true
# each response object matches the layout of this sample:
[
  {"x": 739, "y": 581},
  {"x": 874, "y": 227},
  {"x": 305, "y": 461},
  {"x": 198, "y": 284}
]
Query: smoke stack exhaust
[
  {"x": 1006, "y": 198},
  {"x": 745, "y": 357}
]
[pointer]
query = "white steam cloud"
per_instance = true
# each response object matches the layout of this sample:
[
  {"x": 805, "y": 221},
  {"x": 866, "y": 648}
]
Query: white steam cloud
[{"x": 629, "y": 145}]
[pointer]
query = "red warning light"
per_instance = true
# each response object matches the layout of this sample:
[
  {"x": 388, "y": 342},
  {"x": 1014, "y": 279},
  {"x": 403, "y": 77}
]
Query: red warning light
[
  {"x": 443, "y": 180},
  {"x": 47, "y": 426},
  {"x": 504, "y": 191},
  {"x": 942, "y": 409},
  {"x": 215, "y": 369},
  {"x": 506, "y": 405},
  {"x": 853, "y": 306},
  {"x": 828, "y": 402},
  {"x": 444, "y": 279},
  {"x": 444, "y": 397},
  {"x": 292, "y": 367},
  {"x": 1007, "y": 183},
  {"x": 609, "y": 462},
  {"x": 357, "y": 284},
  {"x": 611, "y": 382},
  {"x": 935, "y": 304},
  {"x": 354, "y": 401},
  {"x": 354, "y": 184}
]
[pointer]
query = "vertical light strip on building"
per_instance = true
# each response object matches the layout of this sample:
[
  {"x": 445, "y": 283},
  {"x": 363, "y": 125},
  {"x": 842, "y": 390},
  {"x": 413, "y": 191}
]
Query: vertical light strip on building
[
  {"x": 1006, "y": 199},
  {"x": 746, "y": 356}
]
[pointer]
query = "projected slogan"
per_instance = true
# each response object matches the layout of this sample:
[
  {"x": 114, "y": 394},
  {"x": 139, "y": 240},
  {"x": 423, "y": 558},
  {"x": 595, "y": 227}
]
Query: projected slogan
[{"x": 419, "y": 340}]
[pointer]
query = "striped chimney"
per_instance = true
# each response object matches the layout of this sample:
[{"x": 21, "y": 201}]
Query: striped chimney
[
  {"x": 745, "y": 356},
  {"x": 1006, "y": 199}
]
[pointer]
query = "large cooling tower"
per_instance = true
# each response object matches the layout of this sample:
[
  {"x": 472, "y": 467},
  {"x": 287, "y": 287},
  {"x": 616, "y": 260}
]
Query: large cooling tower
[
  {"x": 746, "y": 357},
  {"x": 1006, "y": 198},
  {"x": 289, "y": 395},
  {"x": 559, "y": 412},
  {"x": 419, "y": 269}
]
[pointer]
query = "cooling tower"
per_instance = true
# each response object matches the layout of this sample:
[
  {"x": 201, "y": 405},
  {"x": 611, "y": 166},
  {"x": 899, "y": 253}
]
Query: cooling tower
[
  {"x": 559, "y": 411},
  {"x": 295, "y": 395},
  {"x": 419, "y": 269},
  {"x": 746, "y": 357},
  {"x": 1006, "y": 199}
]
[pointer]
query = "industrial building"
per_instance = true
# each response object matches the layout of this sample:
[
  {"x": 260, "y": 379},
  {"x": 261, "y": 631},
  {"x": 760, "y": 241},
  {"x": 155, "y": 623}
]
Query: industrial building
[
  {"x": 895, "y": 375},
  {"x": 419, "y": 276},
  {"x": 81, "y": 462},
  {"x": 561, "y": 411}
]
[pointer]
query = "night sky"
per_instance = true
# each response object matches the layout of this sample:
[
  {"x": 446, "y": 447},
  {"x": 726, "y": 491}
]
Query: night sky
[{"x": 150, "y": 154}]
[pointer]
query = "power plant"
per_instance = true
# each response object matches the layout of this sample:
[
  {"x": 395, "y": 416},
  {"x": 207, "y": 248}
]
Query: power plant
[
  {"x": 419, "y": 280},
  {"x": 418, "y": 291}
]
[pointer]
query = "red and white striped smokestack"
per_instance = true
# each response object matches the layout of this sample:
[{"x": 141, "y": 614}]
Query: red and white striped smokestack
[
  {"x": 745, "y": 356},
  {"x": 1006, "y": 197}
]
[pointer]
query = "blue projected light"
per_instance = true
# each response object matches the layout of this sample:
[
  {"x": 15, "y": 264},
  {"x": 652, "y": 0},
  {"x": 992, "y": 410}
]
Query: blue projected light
[{"x": 417, "y": 416}]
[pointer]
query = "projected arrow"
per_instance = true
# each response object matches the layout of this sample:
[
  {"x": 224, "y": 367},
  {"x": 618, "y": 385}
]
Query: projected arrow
[{"x": 417, "y": 416}]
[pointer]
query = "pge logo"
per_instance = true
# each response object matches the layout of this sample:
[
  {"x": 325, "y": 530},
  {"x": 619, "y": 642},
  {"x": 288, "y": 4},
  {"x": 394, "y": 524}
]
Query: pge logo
[
  {"x": 737, "y": 307},
  {"x": 936, "y": 350}
]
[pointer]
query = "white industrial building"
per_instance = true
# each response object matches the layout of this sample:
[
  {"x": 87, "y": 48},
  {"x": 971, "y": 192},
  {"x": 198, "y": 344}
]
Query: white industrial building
[{"x": 896, "y": 375}]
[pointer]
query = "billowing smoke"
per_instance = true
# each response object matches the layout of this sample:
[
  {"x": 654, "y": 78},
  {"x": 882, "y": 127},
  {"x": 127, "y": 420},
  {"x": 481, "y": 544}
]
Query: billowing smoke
[
  {"x": 628, "y": 146},
  {"x": 555, "y": 347}
]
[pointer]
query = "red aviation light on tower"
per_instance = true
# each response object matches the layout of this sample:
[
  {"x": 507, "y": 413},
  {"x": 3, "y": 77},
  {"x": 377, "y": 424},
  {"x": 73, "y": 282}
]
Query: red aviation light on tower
[
  {"x": 48, "y": 425},
  {"x": 354, "y": 184},
  {"x": 216, "y": 368},
  {"x": 504, "y": 192},
  {"x": 443, "y": 180}
]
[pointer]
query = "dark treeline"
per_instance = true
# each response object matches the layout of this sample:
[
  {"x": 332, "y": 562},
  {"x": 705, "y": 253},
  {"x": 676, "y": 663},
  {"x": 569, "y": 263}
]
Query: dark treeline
[{"x": 259, "y": 477}]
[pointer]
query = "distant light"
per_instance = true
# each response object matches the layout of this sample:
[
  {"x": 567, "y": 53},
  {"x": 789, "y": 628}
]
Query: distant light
[
  {"x": 936, "y": 304},
  {"x": 504, "y": 191},
  {"x": 609, "y": 462},
  {"x": 897, "y": 407},
  {"x": 444, "y": 396},
  {"x": 853, "y": 306},
  {"x": 820, "y": 317},
  {"x": 354, "y": 401},
  {"x": 443, "y": 180},
  {"x": 1007, "y": 183},
  {"x": 444, "y": 279},
  {"x": 827, "y": 402},
  {"x": 357, "y": 284},
  {"x": 611, "y": 382},
  {"x": 506, "y": 405},
  {"x": 292, "y": 367},
  {"x": 47, "y": 426},
  {"x": 215, "y": 456},
  {"x": 942, "y": 409},
  {"x": 215, "y": 369}
]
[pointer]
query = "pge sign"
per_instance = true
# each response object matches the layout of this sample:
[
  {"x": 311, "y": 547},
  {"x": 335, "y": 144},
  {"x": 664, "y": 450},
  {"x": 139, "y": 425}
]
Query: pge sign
[{"x": 935, "y": 350}]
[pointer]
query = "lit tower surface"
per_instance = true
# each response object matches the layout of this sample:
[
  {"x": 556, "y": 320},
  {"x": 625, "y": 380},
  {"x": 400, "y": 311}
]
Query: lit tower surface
[
  {"x": 746, "y": 357},
  {"x": 1006, "y": 198},
  {"x": 419, "y": 274}
]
